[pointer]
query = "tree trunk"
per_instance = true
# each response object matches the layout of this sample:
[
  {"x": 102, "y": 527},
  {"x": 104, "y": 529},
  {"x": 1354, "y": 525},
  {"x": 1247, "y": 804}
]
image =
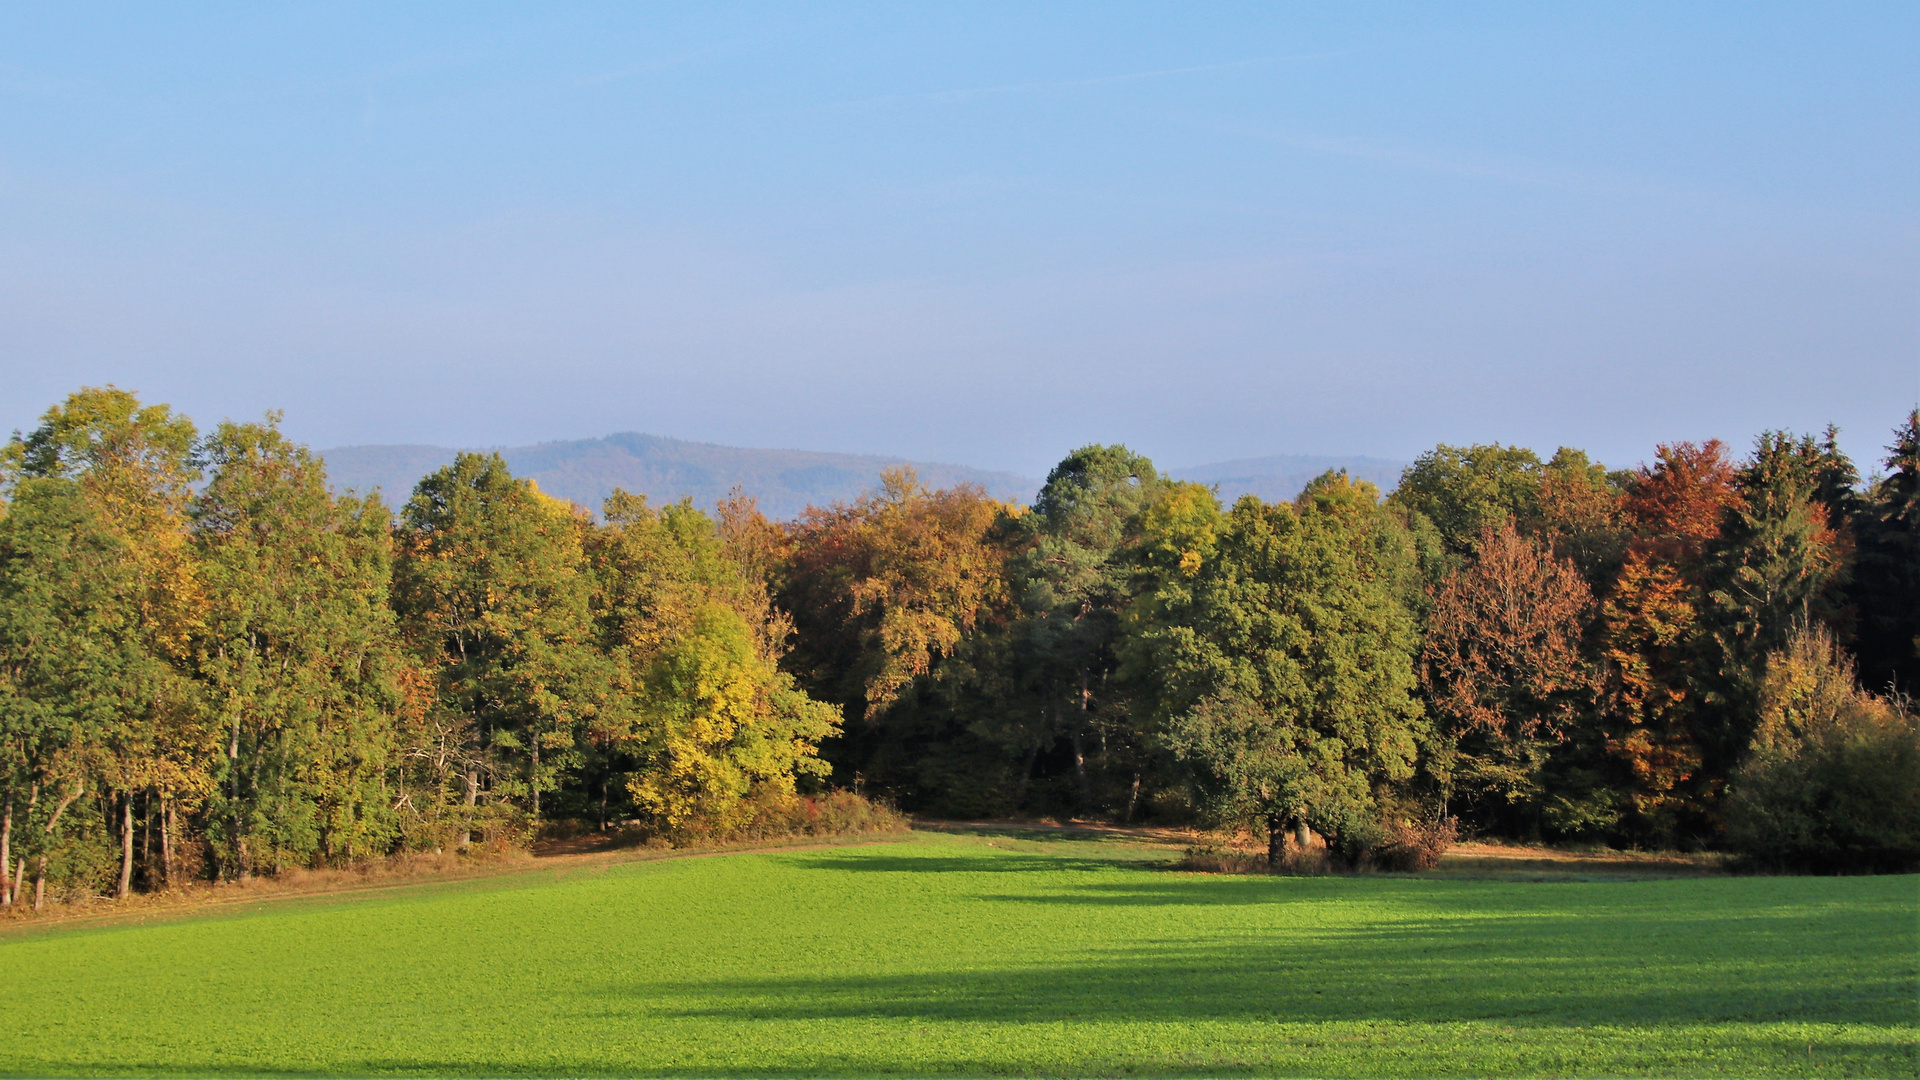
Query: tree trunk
[
  {"x": 533, "y": 779},
  {"x": 40, "y": 864},
  {"x": 1301, "y": 834},
  {"x": 473, "y": 798},
  {"x": 146, "y": 841},
  {"x": 1133, "y": 797},
  {"x": 1080, "y": 772},
  {"x": 166, "y": 841},
  {"x": 126, "y": 847},
  {"x": 239, "y": 841},
  {"x": 6, "y": 856},
  {"x": 1276, "y": 842},
  {"x": 1026, "y": 775},
  {"x": 1080, "y": 747},
  {"x": 20, "y": 865}
]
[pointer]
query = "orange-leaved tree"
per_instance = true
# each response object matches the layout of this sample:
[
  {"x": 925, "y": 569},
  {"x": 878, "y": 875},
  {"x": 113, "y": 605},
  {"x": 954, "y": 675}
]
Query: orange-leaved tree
[
  {"x": 882, "y": 588},
  {"x": 1503, "y": 669},
  {"x": 1651, "y": 636}
]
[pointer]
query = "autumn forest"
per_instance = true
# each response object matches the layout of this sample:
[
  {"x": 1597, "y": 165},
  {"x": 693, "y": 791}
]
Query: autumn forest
[{"x": 214, "y": 665}]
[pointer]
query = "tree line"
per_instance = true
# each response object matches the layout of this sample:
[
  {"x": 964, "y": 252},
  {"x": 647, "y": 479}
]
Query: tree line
[
  {"x": 1710, "y": 650},
  {"x": 211, "y": 665},
  {"x": 214, "y": 665}
]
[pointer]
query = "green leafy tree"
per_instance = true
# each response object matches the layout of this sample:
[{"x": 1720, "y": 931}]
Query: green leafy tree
[
  {"x": 1465, "y": 490},
  {"x": 1886, "y": 587},
  {"x": 1073, "y": 582},
  {"x": 1778, "y": 562},
  {"x": 133, "y": 464},
  {"x": 1178, "y": 535},
  {"x": 1289, "y": 671},
  {"x": 298, "y": 655},
  {"x": 492, "y": 588},
  {"x": 71, "y": 664}
]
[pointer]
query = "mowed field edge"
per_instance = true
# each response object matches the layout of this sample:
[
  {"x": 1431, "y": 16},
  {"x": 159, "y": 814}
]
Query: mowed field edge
[{"x": 995, "y": 953}]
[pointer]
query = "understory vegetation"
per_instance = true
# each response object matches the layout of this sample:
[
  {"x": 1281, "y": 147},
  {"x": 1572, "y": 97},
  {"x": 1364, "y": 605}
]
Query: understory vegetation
[
  {"x": 213, "y": 665},
  {"x": 996, "y": 953}
]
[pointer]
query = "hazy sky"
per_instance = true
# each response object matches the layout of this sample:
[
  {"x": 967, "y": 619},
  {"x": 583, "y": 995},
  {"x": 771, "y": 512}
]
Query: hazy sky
[{"x": 969, "y": 232}]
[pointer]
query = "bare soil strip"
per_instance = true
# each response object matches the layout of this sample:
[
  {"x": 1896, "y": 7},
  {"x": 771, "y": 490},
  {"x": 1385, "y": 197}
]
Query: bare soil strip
[
  {"x": 557, "y": 859},
  {"x": 1463, "y": 859}
]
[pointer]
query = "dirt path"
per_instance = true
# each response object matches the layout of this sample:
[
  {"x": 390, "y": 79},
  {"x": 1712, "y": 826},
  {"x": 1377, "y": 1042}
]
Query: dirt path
[
  {"x": 1463, "y": 859},
  {"x": 556, "y": 860},
  {"x": 1520, "y": 858}
]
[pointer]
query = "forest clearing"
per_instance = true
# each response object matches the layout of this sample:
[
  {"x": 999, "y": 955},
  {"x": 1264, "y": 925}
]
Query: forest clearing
[
  {"x": 995, "y": 951},
  {"x": 977, "y": 540}
]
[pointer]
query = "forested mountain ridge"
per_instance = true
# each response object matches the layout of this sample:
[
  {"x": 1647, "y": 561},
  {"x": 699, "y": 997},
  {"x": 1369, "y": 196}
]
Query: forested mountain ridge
[
  {"x": 785, "y": 482},
  {"x": 586, "y": 471}
]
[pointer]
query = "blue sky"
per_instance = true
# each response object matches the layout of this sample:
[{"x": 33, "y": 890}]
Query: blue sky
[{"x": 978, "y": 233}]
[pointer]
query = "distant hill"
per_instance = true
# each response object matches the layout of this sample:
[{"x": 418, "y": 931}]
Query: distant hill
[
  {"x": 785, "y": 481},
  {"x": 587, "y": 470},
  {"x": 1279, "y": 479}
]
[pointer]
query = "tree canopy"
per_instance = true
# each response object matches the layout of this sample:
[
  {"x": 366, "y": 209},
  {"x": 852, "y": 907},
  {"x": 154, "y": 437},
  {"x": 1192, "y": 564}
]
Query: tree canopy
[{"x": 213, "y": 665}]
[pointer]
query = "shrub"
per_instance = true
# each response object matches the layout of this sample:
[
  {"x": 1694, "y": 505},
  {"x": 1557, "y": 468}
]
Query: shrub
[
  {"x": 1215, "y": 859},
  {"x": 1416, "y": 846},
  {"x": 1395, "y": 834},
  {"x": 1377, "y": 843},
  {"x": 1832, "y": 781},
  {"x": 1364, "y": 842},
  {"x": 1358, "y": 839},
  {"x": 836, "y": 813}
]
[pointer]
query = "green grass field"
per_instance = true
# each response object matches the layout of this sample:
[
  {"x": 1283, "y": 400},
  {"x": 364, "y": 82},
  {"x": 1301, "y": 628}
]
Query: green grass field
[{"x": 990, "y": 954}]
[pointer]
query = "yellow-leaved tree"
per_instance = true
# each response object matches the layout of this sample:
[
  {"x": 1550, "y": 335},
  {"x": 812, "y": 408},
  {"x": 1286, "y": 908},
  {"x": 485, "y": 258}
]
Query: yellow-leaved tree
[{"x": 716, "y": 733}]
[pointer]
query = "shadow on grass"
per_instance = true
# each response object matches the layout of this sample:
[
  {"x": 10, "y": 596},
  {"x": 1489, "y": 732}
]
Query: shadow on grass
[
  {"x": 1565, "y": 969},
  {"x": 1490, "y": 979},
  {"x": 1009, "y": 863},
  {"x": 1042, "y": 834},
  {"x": 1711, "y": 951}
]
